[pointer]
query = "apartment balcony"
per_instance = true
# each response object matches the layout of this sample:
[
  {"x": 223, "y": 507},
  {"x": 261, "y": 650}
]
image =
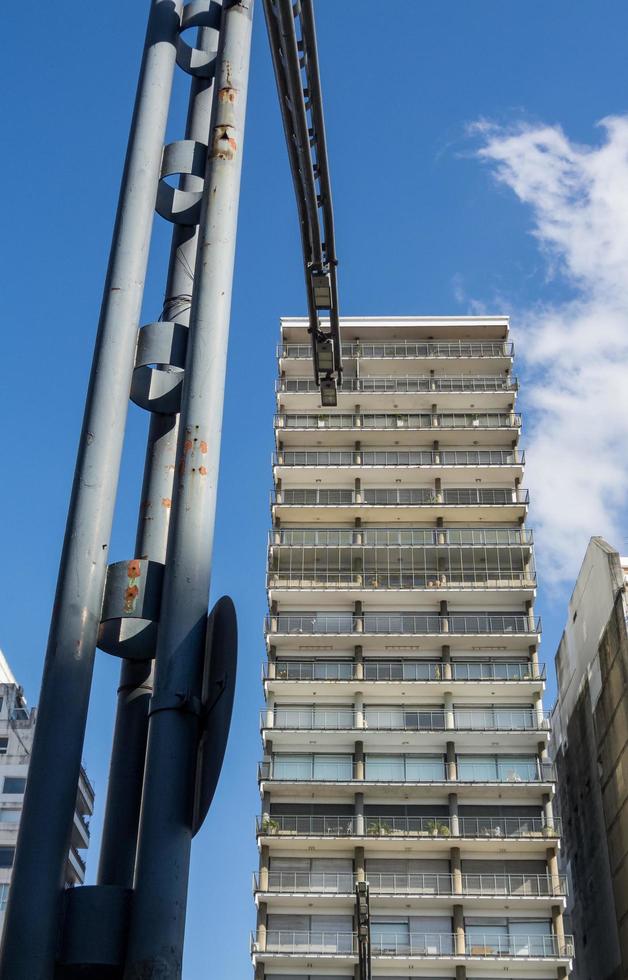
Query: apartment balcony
[
  {"x": 337, "y": 728},
  {"x": 484, "y": 428},
  {"x": 458, "y": 392},
  {"x": 334, "y": 779},
  {"x": 302, "y": 466},
  {"x": 352, "y": 584},
  {"x": 421, "y": 830},
  {"x": 390, "y": 890},
  {"x": 511, "y": 630},
  {"x": 80, "y": 831},
  {"x": 406, "y": 537},
  {"x": 399, "y": 503},
  {"x": 403, "y": 678},
  {"x": 493, "y": 355},
  {"x": 75, "y": 868},
  {"x": 295, "y": 948}
]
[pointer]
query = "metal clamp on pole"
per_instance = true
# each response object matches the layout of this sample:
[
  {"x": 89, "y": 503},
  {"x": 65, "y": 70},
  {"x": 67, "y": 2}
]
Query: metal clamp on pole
[{"x": 292, "y": 37}]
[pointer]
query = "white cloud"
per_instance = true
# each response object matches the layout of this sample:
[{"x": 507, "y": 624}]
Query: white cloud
[{"x": 575, "y": 352}]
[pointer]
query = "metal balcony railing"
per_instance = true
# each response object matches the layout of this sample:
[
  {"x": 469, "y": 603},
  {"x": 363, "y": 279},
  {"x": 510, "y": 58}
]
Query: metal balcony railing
[
  {"x": 401, "y": 457},
  {"x": 319, "y": 882},
  {"x": 419, "y": 883},
  {"x": 409, "y": 348},
  {"x": 407, "y": 537},
  {"x": 331, "y": 771},
  {"x": 403, "y": 670},
  {"x": 308, "y": 826},
  {"x": 405, "y": 719},
  {"x": 407, "y": 944},
  {"x": 458, "y": 384},
  {"x": 486, "y": 827},
  {"x": 398, "y": 420},
  {"x": 401, "y": 497},
  {"x": 323, "y": 825},
  {"x": 401, "y": 624},
  {"x": 299, "y": 943},
  {"x": 489, "y": 578}
]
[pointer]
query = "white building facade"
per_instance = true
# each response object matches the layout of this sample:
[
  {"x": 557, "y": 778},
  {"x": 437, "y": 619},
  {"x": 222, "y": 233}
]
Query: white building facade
[
  {"x": 17, "y": 728},
  {"x": 404, "y": 736}
]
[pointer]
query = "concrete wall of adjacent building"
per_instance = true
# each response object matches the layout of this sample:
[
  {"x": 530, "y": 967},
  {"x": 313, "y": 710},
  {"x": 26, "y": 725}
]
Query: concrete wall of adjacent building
[
  {"x": 611, "y": 726},
  {"x": 589, "y": 734}
]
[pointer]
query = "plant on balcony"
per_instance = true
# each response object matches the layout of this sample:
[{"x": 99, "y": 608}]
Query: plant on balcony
[
  {"x": 378, "y": 828},
  {"x": 270, "y": 826},
  {"x": 437, "y": 829}
]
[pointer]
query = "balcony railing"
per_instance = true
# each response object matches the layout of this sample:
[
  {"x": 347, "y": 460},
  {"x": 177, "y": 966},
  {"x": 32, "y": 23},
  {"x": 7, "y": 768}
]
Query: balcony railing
[
  {"x": 401, "y": 497},
  {"x": 458, "y": 384},
  {"x": 409, "y": 348},
  {"x": 402, "y": 457},
  {"x": 401, "y": 624},
  {"x": 405, "y": 719},
  {"x": 398, "y": 420},
  {"x": 407, "y": 537},
  {"x": 403, "y": 670},
  {"x": 415, "y": 944},
  {"x": 383, "y": 883},
  {"x": 492, "y": 828},
  {"x": 369, "y": 578},
  {"x": 330, "y": 771}
]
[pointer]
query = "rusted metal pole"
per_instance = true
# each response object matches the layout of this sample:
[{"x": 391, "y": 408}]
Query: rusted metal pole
[
  {"x": 126, "y": 772},
  {"x": 31, "y": 924},
  {"x": 155, "y": 947}
]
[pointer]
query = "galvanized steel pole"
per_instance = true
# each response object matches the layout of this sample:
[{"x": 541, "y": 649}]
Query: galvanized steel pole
[
  {"x": 31, "y": 924},
  {"x": 158, "y": 918},
  {"x": 126, "y": 772}
]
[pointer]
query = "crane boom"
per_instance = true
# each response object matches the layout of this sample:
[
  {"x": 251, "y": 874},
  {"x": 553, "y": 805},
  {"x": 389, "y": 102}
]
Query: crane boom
[{"x": 292, "y": 37}]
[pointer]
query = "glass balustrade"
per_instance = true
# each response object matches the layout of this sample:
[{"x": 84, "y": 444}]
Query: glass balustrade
[
  {"x": 409, "y": 348},
  {"x": 402, "y": 457},
  {"x": 404, "y": 719},
  {"x": 404, "y": 670},
  {"x": 481, "y": 943},
  {"x": 373, "y": 825},
  {"x": 398, "y": 420},
  {"x": 403, "y": 623},
  {"x": 400, "y": 497},
  {"x": 409, "y": 385}
]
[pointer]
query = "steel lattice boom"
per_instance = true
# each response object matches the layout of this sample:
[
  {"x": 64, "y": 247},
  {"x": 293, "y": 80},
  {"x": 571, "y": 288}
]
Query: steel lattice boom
[{"x": 292, "y": 38}]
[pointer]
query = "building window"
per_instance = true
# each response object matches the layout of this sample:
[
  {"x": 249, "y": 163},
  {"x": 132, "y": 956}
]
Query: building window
[
  {"x": 14, "y": 785},
  {"x": 6, "y": 857},
  {"x": 4, "y": 744},
  {"x": 10, "y": 816},
  {"x": 4, "y": 894}
]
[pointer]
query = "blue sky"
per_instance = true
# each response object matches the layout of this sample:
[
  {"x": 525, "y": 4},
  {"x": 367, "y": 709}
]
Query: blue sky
[{"x": 425, "y": 225}]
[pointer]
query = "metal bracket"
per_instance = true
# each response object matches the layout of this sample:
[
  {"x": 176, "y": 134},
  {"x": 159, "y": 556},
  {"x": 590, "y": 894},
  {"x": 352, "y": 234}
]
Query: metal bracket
[
  {"x": 159, "y": 367},
  {"x": 219, "y": 676},
  {"x": 175, "y": 701},
  {"x": 182, "y": 207},
  {"x": 130, "y": 610},
  {"x": 199, "y": 61},
  {"x": 95, "y": 926}
]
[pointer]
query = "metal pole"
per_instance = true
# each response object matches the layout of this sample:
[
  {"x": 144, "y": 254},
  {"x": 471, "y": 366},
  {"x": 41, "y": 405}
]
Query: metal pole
[
  {"x": 126, "y": 772},
  {"x": 31, "y": 923},
  {"x": 158, "y": 919}
]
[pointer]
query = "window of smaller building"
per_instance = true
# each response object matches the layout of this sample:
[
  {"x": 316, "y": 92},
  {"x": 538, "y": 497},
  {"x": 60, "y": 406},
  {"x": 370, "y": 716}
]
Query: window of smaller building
[
  {"x": 10, "y": 816},
  {"x": 4, "y": 744},
  {"x": 6, "y": 857},
  {"x": 14, "y": 785}
]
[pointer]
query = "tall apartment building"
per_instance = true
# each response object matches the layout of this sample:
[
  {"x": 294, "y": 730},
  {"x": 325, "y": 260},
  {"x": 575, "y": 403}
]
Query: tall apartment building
[
  {"x": 404, "y": 736},
  {"x": 590, "y": 747},
  {"x": 17, "y": 727}
]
